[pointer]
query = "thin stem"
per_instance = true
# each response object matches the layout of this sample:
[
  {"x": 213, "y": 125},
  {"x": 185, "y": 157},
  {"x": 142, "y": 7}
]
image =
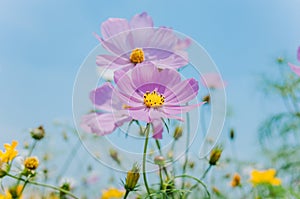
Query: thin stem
[
  {"x": 198, "y": 182},
  {"x": 43, "y": 185},
  {"x": 172, "y": 157},
  {"x": 126, "y": 194},
  {"x": 206, "y": 171},
  {"x": 187, "y": 148},
  {"x": 32, "y": 147},
  {"x": 203, "y": 176},
  {"x": 69, "y": 159},
  {"x": 160, "y": 152},
  {"x": 161, "y": 179},
  {"x": 146, "y": 132},
  {"x": 23, "y": 188}
]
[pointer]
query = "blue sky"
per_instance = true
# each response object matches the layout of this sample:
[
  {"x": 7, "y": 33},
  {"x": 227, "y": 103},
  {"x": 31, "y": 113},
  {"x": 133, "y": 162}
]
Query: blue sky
[{"x": 43, "y": 43}]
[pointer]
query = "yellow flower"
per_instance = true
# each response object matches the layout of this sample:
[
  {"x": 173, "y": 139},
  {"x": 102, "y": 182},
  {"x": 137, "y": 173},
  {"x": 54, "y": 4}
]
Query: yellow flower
[
  {"x": 112, "y": 193},
  {"x": 266, "y": 176},
  {"x": 31, "y": 163},
  {"x": 10, "y": 152}
]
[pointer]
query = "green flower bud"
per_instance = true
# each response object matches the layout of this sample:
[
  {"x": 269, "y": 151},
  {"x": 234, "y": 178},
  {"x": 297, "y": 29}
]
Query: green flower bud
[
  {"x": 280, "y": 60},
  {"x": 159, "y": 160},
  {"x": 38, "y": 133},
  {"x": 114, "y": 155},
  {"x": 215, "y": 155},
  {"x": 178, "y": 132},
  {"x": 132, "y": 178},
  {"x": 231, "y": 134},
  {"x": 206, "y": 99}
]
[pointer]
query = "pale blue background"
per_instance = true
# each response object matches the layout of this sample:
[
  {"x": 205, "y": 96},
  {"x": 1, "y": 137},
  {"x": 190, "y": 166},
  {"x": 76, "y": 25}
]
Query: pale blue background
[{"x": 43, "y": 43}]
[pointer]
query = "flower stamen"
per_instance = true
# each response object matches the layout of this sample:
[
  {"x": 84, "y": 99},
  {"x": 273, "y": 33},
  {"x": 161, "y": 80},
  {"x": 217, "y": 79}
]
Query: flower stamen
[
  {"x": 153, "y": 99},
  {"x": 137, "y": 56}
]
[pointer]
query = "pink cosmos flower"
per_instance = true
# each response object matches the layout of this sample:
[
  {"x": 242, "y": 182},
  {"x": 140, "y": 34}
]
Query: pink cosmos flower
[
  {"x": 135, "y": 41},
  {"x": 113, "y": 113},
  {"x": 213, "y": 81},
  {"x": 151, "y": 94},
  {"x": 295, "y": 68}
]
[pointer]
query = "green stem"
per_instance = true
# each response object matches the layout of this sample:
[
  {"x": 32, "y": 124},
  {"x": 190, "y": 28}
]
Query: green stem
[
  {"x": 126, "y": 194},
  {"x": 32, "y": 147},
  {"x": 144, "y": 158},
  {"x": 43, "y": 185},
  {"x": 23, "y": 188},
  {"x": 206, "y": 171},
  {"x": 203, "y": 176},
  {"x": 161, "y": 179},
  {"x": 197, "y": 180},
  {"x": 187, "y": 148},
  {"x": 160, "y": 152}
]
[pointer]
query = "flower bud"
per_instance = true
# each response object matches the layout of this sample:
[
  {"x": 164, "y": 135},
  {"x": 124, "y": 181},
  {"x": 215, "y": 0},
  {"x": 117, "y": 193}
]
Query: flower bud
[
  {"x": 178, "y": 132},
  {"x": 231, "y": 134},
  {"x": 38, "y": 133},
  {"x": 31, "y": 163},
  {"x": 114, "y": 155},
  {"x": 236, "y": 180},
  {"x": 216, "y": 191},
  {"x": 132, "y": 178},
  {"x": 159, "y": 160},
  {"x": 206, "y": 99},
  {"x": 215, "y": 155},
  {"x": 191, "y": 164},
  {"x": 280, "y": 60}
]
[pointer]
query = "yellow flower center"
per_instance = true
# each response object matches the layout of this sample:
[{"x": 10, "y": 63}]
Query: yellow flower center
[
  {"x": 137, "y": 56},
  {"x": 31, "y": 163},
  {"x": 153, "y": 99}
]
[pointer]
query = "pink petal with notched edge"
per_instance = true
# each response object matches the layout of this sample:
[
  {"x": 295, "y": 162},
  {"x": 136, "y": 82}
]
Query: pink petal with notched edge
[
  {"x": 164, "y": 39},
  {"x": 101, "y": 97},
  {"x": 119, "y": 44},
  {"x": 126, "y": 91},
  {"x": 177, "y": 60},
  {"x": 141, "y": 21},
  {"x": 175, "y": 110},
  {"x": 144, "y": 74},
  {"x": 114, "y": 26},
  {"x": 183, "y": 44},
  {"x": 141, "y": 37},
  {"x": 158, "y": 129},
  {"x": 148, "y": 73},
  {"x": 182, "y": 93},
  {"x": 295, "y": 69},
  {"x": 119, "y": 73},
  {"x": 102, "y": 124},
  {"x": 111, "y": 61}
]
